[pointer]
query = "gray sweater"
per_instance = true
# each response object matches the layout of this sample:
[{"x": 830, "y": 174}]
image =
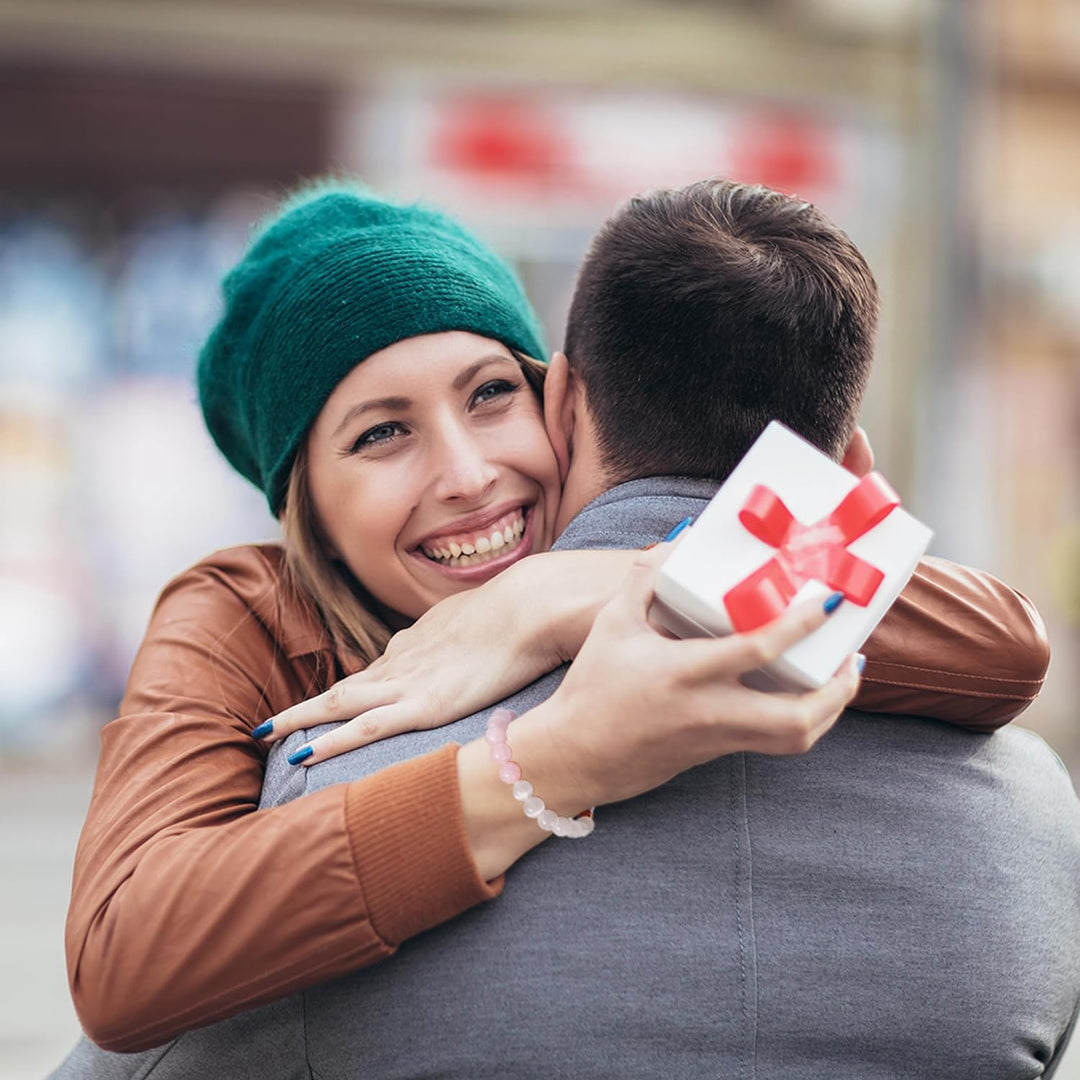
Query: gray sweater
[{"x": 903, "y": 901}]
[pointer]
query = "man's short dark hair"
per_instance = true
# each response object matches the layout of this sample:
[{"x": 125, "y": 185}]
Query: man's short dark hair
[{"x": 702, "y": 313}]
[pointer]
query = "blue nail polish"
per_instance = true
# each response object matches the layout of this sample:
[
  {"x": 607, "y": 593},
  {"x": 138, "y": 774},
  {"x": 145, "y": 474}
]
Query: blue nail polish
[
  {"x": 263, "y": 729},
  {"x": 678, "y": 529},
  {"x": 301, "y": 755},
  {"x": 860, "y": 662},
  {"x": 833, "y": 602}
]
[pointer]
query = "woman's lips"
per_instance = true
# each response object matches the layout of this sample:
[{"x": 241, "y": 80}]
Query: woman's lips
[
  {"x": 477, "y": 546},
  {"x": 488, "y": 556}
]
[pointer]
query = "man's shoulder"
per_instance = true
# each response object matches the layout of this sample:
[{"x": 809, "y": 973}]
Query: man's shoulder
[
  {"x": 1028, "y": 768},
  {"x": 907, "y": 777},
  {"x": 1011, "y": 754},
  {"x": 1030, "y": 752},
  {"x": 928, "y": 794}
]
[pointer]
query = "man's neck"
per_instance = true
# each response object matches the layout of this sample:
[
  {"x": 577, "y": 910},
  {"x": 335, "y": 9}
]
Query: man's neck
[{"x": 581, "y": 487}]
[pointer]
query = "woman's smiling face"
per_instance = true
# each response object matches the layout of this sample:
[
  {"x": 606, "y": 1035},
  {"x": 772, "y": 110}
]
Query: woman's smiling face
[{"x": 430, "y": 469}]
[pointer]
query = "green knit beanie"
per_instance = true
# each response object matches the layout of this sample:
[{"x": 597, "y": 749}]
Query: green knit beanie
[{"x": 336, "y": 275}]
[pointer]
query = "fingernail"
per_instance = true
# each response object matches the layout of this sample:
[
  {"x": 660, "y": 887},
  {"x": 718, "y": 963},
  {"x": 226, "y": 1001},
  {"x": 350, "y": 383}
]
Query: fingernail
[
  {"x": 860, "y": 662},
  {"x": 263, "y": 729},
  {"x": 833, "y": 602},
  {"x": 678, "y": 529},
  {"x": 301, "y": 755}
]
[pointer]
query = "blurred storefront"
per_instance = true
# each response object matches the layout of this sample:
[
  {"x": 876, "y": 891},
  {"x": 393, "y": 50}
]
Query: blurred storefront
[
  {"x": 138, "y": 141},
  {"x": 1025, "y": 327}
]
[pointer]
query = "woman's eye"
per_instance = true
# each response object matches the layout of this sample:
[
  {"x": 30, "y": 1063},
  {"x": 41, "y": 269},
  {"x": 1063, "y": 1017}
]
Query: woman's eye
[
  {"x": 378, "y": 436},
  {"x": 494, "y": 389}
]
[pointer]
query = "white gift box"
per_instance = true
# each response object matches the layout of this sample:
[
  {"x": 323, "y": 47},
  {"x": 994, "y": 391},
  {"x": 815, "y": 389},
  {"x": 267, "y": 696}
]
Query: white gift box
[{"x": 718, "y": 552}]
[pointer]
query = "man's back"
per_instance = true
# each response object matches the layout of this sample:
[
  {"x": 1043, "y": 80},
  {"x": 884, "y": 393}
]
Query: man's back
[
  {"x": 903, "y": 901},
  {"x": 916, "y": 902},
  {"x": 895, "y": 904}
]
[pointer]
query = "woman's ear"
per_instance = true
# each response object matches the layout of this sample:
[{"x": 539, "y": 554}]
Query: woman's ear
[
  {"x": 859, "y": 455},
  {"x": 559, "y": 391}
]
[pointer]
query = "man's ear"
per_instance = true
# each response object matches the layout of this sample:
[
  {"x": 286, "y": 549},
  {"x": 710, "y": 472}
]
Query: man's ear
[
  {"x": 859, "y": 455},
  {"x": 560, "y": 388}
]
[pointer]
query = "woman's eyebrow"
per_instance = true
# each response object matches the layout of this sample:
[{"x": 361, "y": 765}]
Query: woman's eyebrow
[
  {"x": 399, "y": 404},
  {"x": 466, "y": 376},
  {"x": 391, "y": 404}
]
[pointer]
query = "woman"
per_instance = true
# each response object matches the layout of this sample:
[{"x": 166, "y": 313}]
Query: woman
[{"x": 186, "y": 906}]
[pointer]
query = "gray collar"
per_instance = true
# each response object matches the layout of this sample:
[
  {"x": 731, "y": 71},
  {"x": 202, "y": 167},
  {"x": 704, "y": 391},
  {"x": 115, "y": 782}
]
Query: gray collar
[
  {"x": 682, "y": 487},
  {"x": 637, "y": 512}
]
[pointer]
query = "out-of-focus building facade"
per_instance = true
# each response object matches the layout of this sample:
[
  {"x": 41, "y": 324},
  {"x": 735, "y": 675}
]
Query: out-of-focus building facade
[{"x": 137, "y": 141}]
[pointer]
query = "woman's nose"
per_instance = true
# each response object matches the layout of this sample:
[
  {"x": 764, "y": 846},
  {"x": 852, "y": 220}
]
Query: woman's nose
[{"x": 464, "y": 470}]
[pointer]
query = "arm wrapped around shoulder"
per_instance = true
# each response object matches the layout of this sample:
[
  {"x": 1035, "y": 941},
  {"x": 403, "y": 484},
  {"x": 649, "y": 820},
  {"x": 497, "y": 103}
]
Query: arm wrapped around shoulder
[
  {"x": 189, "y": 906},
  {"x": 957, "y": 645}
]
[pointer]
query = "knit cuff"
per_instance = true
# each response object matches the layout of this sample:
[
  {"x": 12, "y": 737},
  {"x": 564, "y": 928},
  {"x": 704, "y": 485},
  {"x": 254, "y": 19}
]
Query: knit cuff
[{"x": 408, "y": 838}]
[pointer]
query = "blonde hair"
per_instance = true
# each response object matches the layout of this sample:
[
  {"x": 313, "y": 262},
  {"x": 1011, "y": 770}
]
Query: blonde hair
[{"x": 346, "y": 608}]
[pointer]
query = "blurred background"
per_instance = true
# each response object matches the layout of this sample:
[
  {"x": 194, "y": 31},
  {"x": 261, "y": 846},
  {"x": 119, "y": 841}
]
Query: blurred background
[{"x": 139, "y": 141}]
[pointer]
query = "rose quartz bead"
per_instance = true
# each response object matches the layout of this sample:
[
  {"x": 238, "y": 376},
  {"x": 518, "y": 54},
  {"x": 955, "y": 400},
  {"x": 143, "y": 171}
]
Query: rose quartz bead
[{"x": 509, "y": 772}]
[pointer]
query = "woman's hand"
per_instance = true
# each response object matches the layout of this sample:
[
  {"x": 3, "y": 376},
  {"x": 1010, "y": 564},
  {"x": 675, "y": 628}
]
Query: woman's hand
[
  {"x": 637, "y": 707},
  {"x": 469, "y": 651}
]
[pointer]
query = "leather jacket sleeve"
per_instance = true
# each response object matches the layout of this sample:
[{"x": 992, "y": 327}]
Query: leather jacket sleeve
[
  {"x": 188, "y": 906},
  {"x": 957, "y": 645}
]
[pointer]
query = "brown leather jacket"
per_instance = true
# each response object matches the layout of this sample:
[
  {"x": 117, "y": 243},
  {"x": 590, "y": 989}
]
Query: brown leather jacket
[{"x": 188, "y": 907}]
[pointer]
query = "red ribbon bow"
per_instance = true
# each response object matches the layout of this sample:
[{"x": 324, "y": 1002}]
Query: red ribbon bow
[{"x": 806, "y": 552}]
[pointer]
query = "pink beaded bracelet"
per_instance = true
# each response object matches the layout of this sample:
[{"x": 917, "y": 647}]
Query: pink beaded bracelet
[{"x": 510, "y": 773}]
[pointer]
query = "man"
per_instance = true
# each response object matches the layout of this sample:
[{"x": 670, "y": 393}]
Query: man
[{"x": 903, "y": 901}]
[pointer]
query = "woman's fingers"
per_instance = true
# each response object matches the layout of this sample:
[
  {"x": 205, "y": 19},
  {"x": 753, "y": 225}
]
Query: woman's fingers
[
  {"x": 345, "y": 700},
  {"x": 740, "y": 653},
  {"x": 376, "y": 724},
  {"x": 807, "y": 716},
  {"x": 769, "y": 642},
  {"x": 630, "y": 605}
]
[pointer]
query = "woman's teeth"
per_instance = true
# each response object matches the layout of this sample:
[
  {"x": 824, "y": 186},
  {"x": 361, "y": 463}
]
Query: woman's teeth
[{"x": 472, "y": 549}]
